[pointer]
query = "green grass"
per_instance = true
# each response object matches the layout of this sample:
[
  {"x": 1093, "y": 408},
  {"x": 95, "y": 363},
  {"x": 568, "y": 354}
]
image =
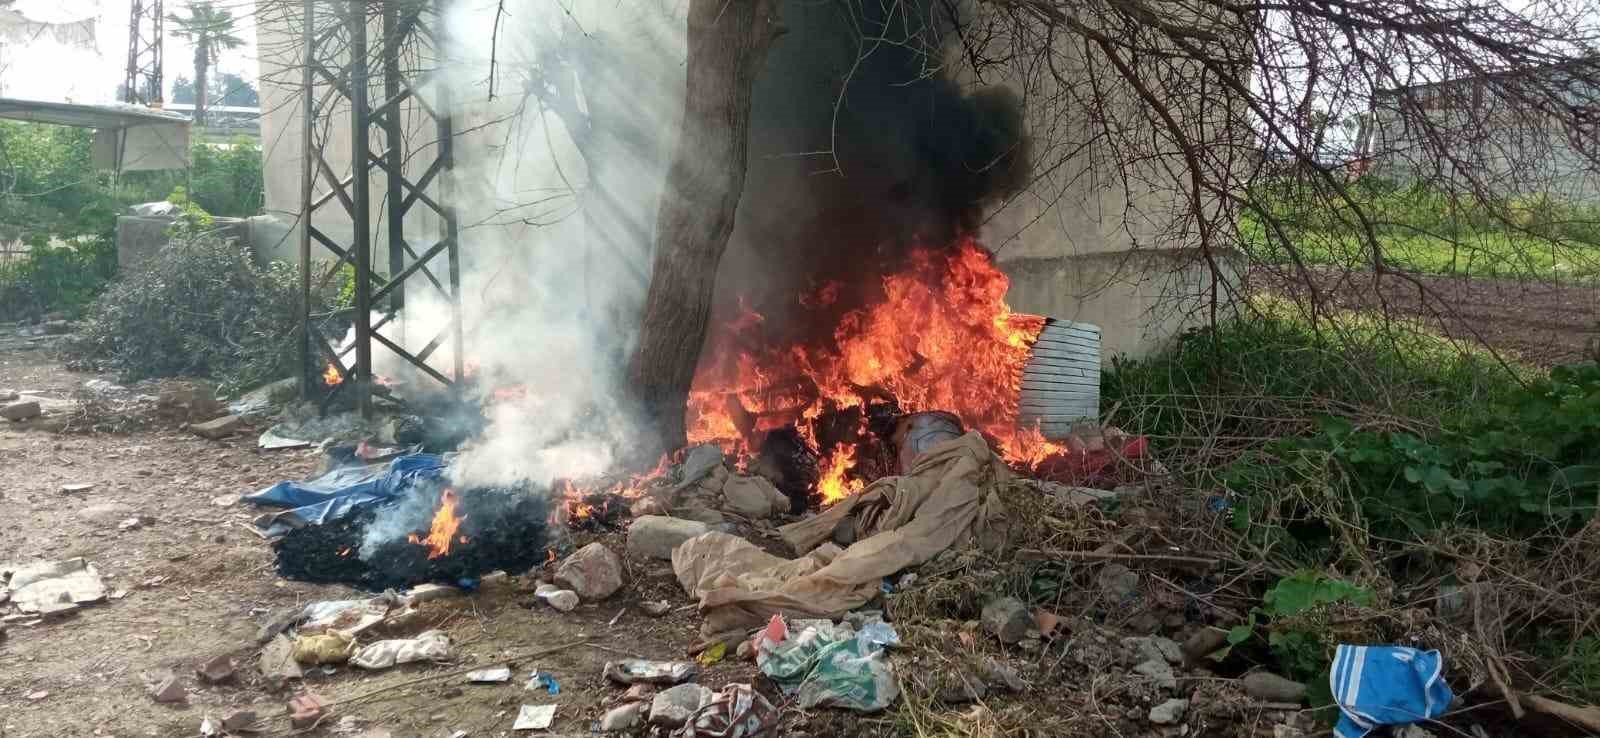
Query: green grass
[
  {"x": 1271, "y": 374},
  {"x": 1482, "y": 254}
]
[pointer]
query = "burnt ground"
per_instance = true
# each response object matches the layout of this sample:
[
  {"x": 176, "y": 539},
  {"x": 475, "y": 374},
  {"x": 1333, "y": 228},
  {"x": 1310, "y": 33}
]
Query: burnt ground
[
  {"x": 199, "y": 583},
  {"x": 1541, "y": 323}
]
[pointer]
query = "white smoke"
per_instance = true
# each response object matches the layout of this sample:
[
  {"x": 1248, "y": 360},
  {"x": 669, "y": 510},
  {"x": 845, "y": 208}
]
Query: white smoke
[{"x": 553, "y": 274}]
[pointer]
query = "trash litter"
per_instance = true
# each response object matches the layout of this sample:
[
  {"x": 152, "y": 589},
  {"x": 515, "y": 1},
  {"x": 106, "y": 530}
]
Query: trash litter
[
  {"x": 638, "y": 671},
  {"x": 829, "y": 670},
  {"x": 348, "y": 617},
  {"x": 713, "y": 654},
  {"x": 270, "y": 441},
  {"x": 492, "y": 675},
  {"x": 323, "y": 648},
  {"x": 50, "y": 584},
  {"x": 534, "y": 717},
  {"x": 337, "y": 493},
  {"x": 429, "y": 645},
  {"x": 1386, "y": 685},
  {"x": 736, "y": 712},
  {"x": 543, "y": 680}
]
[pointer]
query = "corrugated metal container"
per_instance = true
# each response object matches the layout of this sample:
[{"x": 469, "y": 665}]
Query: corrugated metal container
[{"x": 1061, "y": 381}]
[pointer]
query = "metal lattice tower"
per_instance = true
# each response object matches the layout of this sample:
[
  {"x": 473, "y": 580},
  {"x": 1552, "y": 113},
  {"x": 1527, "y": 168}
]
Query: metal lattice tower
[
  {"x": 341, "y": 66},
  {"x": 142, "y": 85}
]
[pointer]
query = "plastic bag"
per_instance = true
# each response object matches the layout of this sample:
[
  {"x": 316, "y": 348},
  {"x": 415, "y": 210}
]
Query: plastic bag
[
  {"x": 738, "y": 711},
  {"x": 638, "y": 671},
  {"x": 826, "y": 669}
]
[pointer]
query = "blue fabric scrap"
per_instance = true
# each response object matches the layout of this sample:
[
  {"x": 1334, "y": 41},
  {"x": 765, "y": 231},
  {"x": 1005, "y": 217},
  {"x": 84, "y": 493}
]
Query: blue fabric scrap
[
  {"x": 340, "y": 492},
  {"x": 1386, "y": 685}
]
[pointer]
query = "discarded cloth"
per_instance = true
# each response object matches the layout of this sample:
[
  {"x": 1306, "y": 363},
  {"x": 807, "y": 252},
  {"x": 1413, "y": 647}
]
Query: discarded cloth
[
  {"x": 835, "y": 667},
  {"x": 1386, "y": 685},
  {"x": 900, "y": 521},
  {"x": 430, "y": 645},
  {"x": 337, "y": 493}
]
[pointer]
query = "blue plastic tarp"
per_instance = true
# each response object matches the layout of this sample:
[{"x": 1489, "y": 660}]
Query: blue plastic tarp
[{"x": 337, "y": 493}]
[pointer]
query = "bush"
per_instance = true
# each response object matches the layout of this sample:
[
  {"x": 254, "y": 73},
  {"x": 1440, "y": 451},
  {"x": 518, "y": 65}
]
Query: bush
[
  {"x": 199, "y": 307},
  {"x": 56, "y": 276}
]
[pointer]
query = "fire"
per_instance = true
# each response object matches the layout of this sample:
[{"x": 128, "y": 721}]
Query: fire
[
  {"x": 939, "y": 337},
  {"x": 331, "y": 376},
  {"x": 833, "y": 485},
  {"x": 442, "y": 533}
]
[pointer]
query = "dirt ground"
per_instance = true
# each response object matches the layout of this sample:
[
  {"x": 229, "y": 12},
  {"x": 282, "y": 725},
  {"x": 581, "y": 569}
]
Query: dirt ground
[{"x": 199, "y": 583}]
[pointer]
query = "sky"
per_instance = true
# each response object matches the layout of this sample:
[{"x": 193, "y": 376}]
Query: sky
[{"x": 92, "y": 75}]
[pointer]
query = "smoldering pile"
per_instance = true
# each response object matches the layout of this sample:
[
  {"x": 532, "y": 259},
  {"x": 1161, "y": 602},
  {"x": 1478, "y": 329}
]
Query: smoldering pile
[{"x": 398, "y": 544}]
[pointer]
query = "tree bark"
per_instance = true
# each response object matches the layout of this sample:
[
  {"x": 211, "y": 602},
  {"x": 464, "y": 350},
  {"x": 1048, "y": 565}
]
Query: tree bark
[
  {"x": 728, "y": 41},
  {"x": 202, "y": 68}
]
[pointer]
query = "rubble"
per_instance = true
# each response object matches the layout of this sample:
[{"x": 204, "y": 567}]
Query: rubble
[
  {"x": 239, "y": 720},
  {"x": 1003, "y": 676},
  {"x": 1169, "y": 712},
  {"x": 622, "y": 718},
  {"x": 1117, "y": 582},
  {"x": 656, "y": 536},
  {"x": 593, "y": 572},
  {"x": 21, "y": 410},
  {"x": 72, "y": 488},
  {"x": 656, "y": 608},
  {"x": 8, "y": 395},
  {"x": 306, "y": 709},
  {"x": 1203, "y": 642},
  {"x": 216, "y": 670},
  {"x": 1008, "y": 619},
  {"x": 277, "y": 663},
  {"x": 169, "y": 691},
  {"x": 673, "y": 707},
  {"x": 219, "y": 428},
  {"x": 1269, "y": 687},
  {"x": 1159, "y": 671},
  {"x": 564, "y": 600}
]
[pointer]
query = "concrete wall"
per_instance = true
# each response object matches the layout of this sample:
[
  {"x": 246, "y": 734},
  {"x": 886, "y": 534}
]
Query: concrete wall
[{"x": 139, "y": 237}]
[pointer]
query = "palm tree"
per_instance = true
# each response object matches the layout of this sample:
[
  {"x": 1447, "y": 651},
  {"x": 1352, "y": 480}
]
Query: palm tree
[{"x": 210, "y": 29}]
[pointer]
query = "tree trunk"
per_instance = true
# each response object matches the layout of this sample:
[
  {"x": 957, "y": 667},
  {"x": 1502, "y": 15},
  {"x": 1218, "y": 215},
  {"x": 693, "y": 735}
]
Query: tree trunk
[
  {"x": 728, "y": 41},
  {"x": 202, "y": 67}
]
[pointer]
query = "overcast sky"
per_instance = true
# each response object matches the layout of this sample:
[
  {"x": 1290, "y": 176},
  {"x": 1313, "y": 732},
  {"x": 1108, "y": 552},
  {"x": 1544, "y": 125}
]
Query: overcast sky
[{"x": 43, "y": 69}]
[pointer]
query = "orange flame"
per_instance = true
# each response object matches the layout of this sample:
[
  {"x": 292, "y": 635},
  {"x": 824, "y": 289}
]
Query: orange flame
[
  {"x": 939, "y": 337},
  {"x": 331, "y": 376},
  {"x": 442, "y": 533}
]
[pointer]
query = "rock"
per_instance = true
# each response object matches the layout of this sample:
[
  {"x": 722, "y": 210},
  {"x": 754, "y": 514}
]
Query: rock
[
  {"x": 673, "y": 707},
  {"x": 1203, "y": 642},
  {"x": 216, "y": 670},
  {"x": 57, "y": 327},
  {"x": 619, "y": 719},
  {"x": 656, "y": 536},
  {"x": 305, "y": 709},
  {"x": 753, "y": 497},
  {"x": 1003, "y": 676},
  {"x": 1170, "y": 650},
  {"x": 239, "y": 720},
  {"x": 1159, "y": 671},
  {"x": 1118, "y": 582},
  {"x": 647, "y": 505},
  {"x": 594, "y": 572},
  {"x": 1269, "y": 687},
  {"x": 700, "y": 514},
  {"x": 699, "y": 462},
  {"x": 1008, "y": 619},
  {"x": 21, "y": 410},
  {"x": 966, "y": 688},
  {"x": 1169, "y": 712},
  {"x": 216, "y": 429},
  {"x": 169, "y": 691},
  {"x": 430, "y": 592},
  {"x": 564, "y": 600},
  {"x": 277, "y": 660},
  {"x": 1155, "y": 647},
  {"x": 656, "y": 608},
  {"x": 133, "y": 523},
  {"x": 639, "y": 693},
  {"x": 7, "y": 395}
]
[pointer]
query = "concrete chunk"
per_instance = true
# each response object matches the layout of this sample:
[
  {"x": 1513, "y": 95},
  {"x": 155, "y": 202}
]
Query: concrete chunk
[{"x": 656, "y": 536}]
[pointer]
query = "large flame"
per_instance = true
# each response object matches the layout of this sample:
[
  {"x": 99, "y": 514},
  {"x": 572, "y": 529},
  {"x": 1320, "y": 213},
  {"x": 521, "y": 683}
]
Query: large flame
[
  {"x": 442, "y": 532},
  {"x": 939, "y": 337}
]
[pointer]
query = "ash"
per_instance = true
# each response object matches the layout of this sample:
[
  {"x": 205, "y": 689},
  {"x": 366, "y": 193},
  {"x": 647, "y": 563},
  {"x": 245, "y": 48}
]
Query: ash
[{"x": 504, "y": 527}]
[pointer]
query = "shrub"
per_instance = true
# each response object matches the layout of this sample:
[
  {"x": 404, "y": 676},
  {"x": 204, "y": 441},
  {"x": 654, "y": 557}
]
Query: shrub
[
  {"x": 199, "y": 307},
  {"x": 62, "y": 276}
]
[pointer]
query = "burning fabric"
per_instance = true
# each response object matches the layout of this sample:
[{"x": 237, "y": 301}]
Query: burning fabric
[
  {"x": 947, "y": 497},
  {"x": 399, "y": 524}
]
